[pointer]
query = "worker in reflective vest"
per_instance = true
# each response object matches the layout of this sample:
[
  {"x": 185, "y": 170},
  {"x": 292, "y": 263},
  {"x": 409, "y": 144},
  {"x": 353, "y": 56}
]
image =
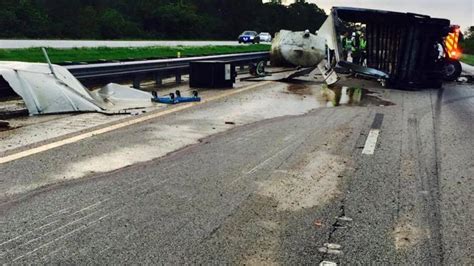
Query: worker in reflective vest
[
  {"x": 363, "y": 50},
  {"x": 356, "y": 52},
  {"x": 346, "y": 46}
]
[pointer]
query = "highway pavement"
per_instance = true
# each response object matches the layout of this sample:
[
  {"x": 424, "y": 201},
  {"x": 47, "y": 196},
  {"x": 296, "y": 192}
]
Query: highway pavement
[{"x": 268, "y": 176}]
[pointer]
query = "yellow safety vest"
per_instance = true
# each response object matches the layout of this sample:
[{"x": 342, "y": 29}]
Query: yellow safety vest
[{"x": 363, "y": 44}]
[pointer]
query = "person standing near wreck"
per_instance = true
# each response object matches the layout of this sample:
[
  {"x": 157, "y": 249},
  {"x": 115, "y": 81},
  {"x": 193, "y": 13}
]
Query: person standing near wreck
[
  {"x": 356, "y": 52},
  {"x": 363, "y": 50},
  {"x": 347, "y": 45}
]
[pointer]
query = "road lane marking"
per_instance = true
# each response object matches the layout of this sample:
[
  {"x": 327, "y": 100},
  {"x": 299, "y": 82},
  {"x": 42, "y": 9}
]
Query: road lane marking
[
  {"x": 137, "y": 120},
  {"x": 371, "y": 142},
  {"x": 327, "y": 263},
  {"x": 372, "y": 138}
]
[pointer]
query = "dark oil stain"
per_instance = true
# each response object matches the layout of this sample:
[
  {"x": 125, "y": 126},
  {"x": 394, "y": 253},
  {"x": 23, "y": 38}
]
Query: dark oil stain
[{"x": 299, "y": 89}]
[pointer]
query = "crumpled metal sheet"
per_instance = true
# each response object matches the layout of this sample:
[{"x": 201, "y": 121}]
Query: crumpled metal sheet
[
  {"x": 119, "y": 97},
  {"x": 44, "y": 93}
]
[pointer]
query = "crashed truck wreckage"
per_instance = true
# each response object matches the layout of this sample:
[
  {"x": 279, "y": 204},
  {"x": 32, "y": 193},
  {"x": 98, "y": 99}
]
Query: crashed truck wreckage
[
  {"x": 50, "y": 89},
  {"x": 404, "y": 50}
]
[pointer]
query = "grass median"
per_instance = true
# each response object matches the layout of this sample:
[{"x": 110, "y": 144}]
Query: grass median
[
  {"x": 59, "y": 56},
  {"x": 468, "y": 59}
]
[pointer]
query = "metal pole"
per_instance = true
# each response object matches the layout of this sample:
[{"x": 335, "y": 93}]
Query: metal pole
[{"x": 49, "y": 62}]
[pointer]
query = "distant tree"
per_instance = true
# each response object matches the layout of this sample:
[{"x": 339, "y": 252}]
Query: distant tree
[
  {"x": 176, "y": 19},
  {"x": 469, "y": 33},
  {"x": 468, "y": 43},
  {"x": 114, "y": 25}
]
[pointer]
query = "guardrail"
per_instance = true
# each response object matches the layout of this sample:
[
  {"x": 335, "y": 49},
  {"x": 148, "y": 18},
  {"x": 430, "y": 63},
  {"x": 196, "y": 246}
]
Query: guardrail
[{"x": 156, "y": 70}]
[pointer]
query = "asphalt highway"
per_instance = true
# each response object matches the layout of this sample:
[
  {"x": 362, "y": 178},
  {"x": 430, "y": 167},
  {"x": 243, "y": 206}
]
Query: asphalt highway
[{"x": 386, "y": 182}]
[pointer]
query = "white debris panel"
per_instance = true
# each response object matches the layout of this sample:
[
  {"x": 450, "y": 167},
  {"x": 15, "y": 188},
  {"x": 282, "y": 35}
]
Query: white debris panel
[{"x": 45, "y": 93}]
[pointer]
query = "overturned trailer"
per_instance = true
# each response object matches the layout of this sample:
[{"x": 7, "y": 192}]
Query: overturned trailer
[{"x": 403, "y": 49}]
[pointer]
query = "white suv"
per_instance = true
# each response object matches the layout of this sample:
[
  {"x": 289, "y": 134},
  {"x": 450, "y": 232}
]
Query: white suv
[{"x": 265, "y": 37}]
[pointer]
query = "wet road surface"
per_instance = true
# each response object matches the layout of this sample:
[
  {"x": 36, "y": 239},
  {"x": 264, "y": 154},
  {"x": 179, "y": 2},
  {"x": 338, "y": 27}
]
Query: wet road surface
[{"x": 286, "y": 182}]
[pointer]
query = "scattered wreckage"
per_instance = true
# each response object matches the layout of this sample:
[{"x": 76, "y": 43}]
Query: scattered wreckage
[
  {"x": 403, "y": 50},
  {"x": 52, "y": 89}
]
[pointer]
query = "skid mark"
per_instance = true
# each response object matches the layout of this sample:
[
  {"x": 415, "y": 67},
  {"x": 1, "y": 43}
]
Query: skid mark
[{"x": 81, "y": 228}]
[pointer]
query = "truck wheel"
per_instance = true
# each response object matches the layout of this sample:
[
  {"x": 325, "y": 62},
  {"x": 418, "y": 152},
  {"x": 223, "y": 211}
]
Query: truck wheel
[{"x": 452, "y": 70}]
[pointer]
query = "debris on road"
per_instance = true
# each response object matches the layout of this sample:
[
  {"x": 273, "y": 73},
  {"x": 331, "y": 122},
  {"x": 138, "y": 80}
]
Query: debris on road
[
  {"x": 175, "y": 98},
  {"x": 466, "y": 79},
  {"x": 318, "y": 223},
  {"x": 330, "y": 251},
  {"x": 46, "y": 93},
  {"x": 344, "y": 219}
]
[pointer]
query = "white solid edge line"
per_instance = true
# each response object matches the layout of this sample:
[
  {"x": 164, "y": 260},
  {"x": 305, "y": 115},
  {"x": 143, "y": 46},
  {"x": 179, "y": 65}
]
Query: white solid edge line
[
  {"x": 371, "y": 142},
  {"x": 140, "y": 119}
]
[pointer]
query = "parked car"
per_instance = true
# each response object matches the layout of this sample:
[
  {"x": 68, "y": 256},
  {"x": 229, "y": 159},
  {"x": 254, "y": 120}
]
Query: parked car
[
  {"x": 249, "y": 37},
  {"x": 265, "y": 37}
]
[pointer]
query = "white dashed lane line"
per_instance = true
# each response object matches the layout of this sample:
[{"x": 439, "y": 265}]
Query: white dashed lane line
[{"x": 372, "y": 138}]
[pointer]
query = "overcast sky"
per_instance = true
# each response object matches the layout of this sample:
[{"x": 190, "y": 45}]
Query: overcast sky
[{"x": 460, "y": 12}]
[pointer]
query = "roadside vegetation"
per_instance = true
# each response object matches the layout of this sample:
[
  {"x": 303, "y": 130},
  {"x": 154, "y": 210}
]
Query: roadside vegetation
[
  {"x": 468, "y": 46},
  {"x": 152, "y": 19},
  {"x": 103, "y": 53},
  {"x": 468, "y": 59}
]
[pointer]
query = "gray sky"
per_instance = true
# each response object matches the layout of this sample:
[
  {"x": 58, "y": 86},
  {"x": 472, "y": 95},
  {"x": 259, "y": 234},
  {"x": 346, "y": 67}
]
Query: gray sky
[{"x": 460, "y": 12}]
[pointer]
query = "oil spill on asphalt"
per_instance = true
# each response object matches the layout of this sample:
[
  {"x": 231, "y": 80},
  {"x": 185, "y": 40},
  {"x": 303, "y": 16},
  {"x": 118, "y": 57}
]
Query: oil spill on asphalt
[{"x": 299, "y": 89}]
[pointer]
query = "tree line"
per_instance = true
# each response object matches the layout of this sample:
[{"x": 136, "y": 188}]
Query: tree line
[
  {"x": 468, "y": 41},
  {"x": 152, "y": 19}
]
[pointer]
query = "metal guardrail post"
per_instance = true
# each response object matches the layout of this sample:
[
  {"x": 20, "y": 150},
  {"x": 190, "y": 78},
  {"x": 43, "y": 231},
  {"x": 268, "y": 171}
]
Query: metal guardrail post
[
  {"x": 136, "y": 83},
  {"x": 178, "y": 78},
  {"x": 158, "y": 80}
]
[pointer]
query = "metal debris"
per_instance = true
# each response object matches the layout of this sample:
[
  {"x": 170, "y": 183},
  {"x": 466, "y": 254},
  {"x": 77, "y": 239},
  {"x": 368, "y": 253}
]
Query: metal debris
[{"x": 49, "y": 89}]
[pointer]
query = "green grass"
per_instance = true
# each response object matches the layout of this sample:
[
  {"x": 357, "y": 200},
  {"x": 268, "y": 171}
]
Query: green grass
[
  {"x": 468, "y": 59},
  {"x": 103, "y": 53}
]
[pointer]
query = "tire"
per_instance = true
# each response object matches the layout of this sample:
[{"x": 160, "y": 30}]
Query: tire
[{"x": 452, "y": 70}]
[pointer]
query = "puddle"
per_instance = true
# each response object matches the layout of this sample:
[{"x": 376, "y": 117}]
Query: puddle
[
  {"x": 338, "y": 95},
  {"x": 351, "y": 96}
]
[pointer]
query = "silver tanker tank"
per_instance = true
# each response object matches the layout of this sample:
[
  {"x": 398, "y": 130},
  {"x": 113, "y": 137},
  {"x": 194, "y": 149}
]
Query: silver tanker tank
[{"x": 297, "y": 48}]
